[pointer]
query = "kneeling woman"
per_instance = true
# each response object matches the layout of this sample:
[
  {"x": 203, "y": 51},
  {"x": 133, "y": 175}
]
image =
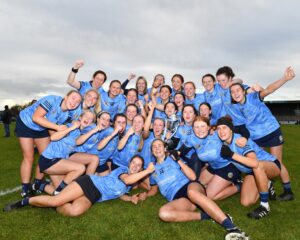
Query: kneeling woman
[
  {"x": 82, "y": 193},
  {"x": 176, "y": 182}
]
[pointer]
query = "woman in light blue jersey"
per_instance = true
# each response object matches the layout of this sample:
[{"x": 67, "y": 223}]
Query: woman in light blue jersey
[
  {"x": 99, "y": 78},
  {"x": 176, "y": 182},
  {"x": 263, "y": 127},
  {"x": 249, "y": 159},
  {"x": 49, "y": 113},
  {"x": 86, "y": 190},
  {"x": 179, "y": 100},
  {"x": 177, "y": 84},
  {"x": 86, "y": 151},
  {"x": 191, "y": 97}
]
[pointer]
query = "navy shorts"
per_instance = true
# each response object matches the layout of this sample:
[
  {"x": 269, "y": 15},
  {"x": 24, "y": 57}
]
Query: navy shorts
[
  {"x": 229, "y": 172},
  {"x": 114, "y": 166},
  {"x": 271, "y": 140},
  {"x": 45, "y": 163},
  {"x": 102, "y": 168},
  {"x": 88, "y": 188},
  {"x": 182, "y": 192},
  {"x": 276, "y": 162},
  {"x": 23, "y": 131}
]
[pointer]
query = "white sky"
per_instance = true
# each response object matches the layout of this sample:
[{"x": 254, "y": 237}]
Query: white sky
[{"x": 40, "y": 41}]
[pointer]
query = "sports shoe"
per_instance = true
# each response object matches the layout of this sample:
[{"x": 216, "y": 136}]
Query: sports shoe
[
  {"x": 14, "y": 205},
  {"x": 27, "y": 194},
  {"x": 258, "y": 213},
  {"x": 286, "y": 196},
  {"x": 272, "y": 193},
  {"x": 236, "y": 234}
]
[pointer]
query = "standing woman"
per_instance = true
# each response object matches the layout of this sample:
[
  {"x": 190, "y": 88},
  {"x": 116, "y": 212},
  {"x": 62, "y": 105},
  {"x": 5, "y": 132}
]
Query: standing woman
[
  {"x": 99, "y": 78},
  {"x": 50, "y": 112},
  {"x": 263, "y": 127},
  {"x": 176, "y": 182}
]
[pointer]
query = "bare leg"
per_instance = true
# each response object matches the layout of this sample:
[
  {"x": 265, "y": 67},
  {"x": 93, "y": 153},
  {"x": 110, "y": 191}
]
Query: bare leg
[
  {"x": 218, "y": 186},
  {"x": 277, "y": 152},
  {"x": 28, "y": 158},
  {"x": 41, "y": 144},
  {"x": 91, "y": 161},
  {"x": 249, "y": 191},
  {"x": 76, "y": 208}
]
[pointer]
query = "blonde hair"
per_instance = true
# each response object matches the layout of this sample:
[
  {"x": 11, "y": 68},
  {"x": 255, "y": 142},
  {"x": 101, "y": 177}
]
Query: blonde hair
[{"x": 97, "y": 106}]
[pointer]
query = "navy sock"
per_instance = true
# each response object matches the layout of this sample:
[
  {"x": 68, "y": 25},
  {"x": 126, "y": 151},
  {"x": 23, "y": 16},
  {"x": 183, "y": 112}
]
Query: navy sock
[
  {"x": 37, "y": 182},
  {"x": 26, "y": 187},
  {"x": 287, "y": 187},
  {"x": 227, "y": 224},
  {"x": 264, "y": 196},
  {"x": 61, "y": 186},
  {"x": 204, "y": 216},
  {"x": 25, "y": 201}
]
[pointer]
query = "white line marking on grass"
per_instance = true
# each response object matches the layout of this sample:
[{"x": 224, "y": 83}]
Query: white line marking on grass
[{"x": 9, "y": 191}]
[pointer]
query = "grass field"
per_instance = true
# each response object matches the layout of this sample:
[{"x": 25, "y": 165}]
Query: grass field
[{"x": 123, "y": 220}]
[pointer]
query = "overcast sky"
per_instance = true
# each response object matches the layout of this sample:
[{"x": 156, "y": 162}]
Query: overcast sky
[{"x": 40, "y": 41}]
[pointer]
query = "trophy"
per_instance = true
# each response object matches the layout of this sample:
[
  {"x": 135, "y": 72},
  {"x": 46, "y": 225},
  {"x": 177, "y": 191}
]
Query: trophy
[{"x": 171, "y": 126}]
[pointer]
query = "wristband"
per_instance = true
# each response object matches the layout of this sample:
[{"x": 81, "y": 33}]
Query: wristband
[{"x": 74, "y": 70}]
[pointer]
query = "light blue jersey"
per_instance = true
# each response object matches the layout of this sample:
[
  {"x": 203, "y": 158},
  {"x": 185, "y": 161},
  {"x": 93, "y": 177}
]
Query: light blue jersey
[
  {"x": 122, "y": 157},
  {"x": 184, "y": 133},
  {"x": 261, "y": 154},
  {"x": 169, "y": 178},
  {"x": 111, "y": 147},
  {"x": 198, "y": 99},
  {"x": 146, "y": 152},
  {"x": 113, "y": 105},
  {"x": 86, "y": 86},
  {"x": 208, "y": 150},
  {"x": 216, "y": 103},
  {"x": 259, "y": 120},
  {"x": 52, "y": 105},
  {"x": 111, "y": 186},
  {"x": 63, "y": 147}
]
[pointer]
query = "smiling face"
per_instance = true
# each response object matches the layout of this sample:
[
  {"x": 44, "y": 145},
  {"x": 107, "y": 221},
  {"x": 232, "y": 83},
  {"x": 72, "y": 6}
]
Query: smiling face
[
  {"x": 90, "y": 99},
  {"x": 158, "y": 150},
  {"x": 189, "y": 90},
  {"x": 237, "y": 93},
  {"x": 141, "y": 86},
  {"x": 72, "y": 100},
  {"x": 225, "y": 133},
  {"x": 103, "y": 120},
  {"x": 131, "y": 97},
  {"x": 138, "y": 123},
  {"x": 135, "y": 165},
  {"x": 87, "y": 119},
  {"x": 165, "y": 93},
  {"x": 131, "y": 112},
  {"x": 224, "y": 81},
  {"x": 176, "y": 83},
  {"x": 98, "y": 81},
  {"x": 158, "y": 81},
  {"x": 170, "y": 109},
  {"x": 208, "y": 83},
  {"x": 188, "y": 115},
  {"x": 120, "y": 123},
  {"x": 179, "y": 100},
  {"x": 158, "y": 127},
  {"x": 204, "y": 111},
  {"x": 114, "y": 89},
  {"x": 201, "y": 129}
]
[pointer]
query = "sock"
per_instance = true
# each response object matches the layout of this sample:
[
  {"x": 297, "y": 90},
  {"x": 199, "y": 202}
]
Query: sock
[
  {"x": 264, "y": 196},
  {"x": 61, "y": 186},
  {"x": 26, "y": 187},
  {"x": 25, "y": 201},
  {"x": 227, "y": 224},
  {"x": 37, "y": 182},
  {"x": 204, "y": 216},
  {"x": 43, "y": 185},
  {"x": 287, "y": 187}
]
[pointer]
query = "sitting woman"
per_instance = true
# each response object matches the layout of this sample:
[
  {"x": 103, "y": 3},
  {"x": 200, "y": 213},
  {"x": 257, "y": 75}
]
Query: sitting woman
[{"x": 82, "y": 193}]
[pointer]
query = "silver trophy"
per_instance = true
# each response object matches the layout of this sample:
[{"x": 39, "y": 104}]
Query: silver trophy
[{"x": 171, "y": 126}]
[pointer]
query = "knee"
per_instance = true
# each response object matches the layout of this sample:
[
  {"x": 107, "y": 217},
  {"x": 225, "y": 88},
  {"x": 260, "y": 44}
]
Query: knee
[
  {"x": 75, "y": 212},
  {"x": 193, "y": 194},
  {"x": 211, "y": 195},
  {"x": 164, "y": 214},
  {"x": 80, "y": 169},
  {"x": 246, "y": 202}
]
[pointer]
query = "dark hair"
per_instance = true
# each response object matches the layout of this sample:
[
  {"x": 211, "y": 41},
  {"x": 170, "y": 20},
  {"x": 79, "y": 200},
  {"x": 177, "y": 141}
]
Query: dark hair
[
  {"x": 209, "y": 75},
  {"x": 138, "y": 156},
  {"x": 155, "y": 140},
  {"x": 179, "y": 76},
  {"x": 227, "y": 71},
  {"x": 99, "y": 114},
  {"x": 6, "y": 107},
  {"x": 166, "y": 86},
  {"x": 176, "y": 107},
  {"x": 179, "y": 93},
  {"x": 114, "y": 81},
  {"x": 132, "y": 105},
  {"x": 189, "y": 105},
  {"x": 160, "y": 75},
  {"x": 100, "y": 72},
  {"x": 206, "y": 104},
  {"x": 119, "y": 115},
  {"x": 236, "y": 84},
  {"x": 193, "y": 84},
  {"x": 132, "y": 90}
]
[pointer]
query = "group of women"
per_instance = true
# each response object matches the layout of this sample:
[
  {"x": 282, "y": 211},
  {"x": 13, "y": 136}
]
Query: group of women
[{"x": 95, "y": 145}]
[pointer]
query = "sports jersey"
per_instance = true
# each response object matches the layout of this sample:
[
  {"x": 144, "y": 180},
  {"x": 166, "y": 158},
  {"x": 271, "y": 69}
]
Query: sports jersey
[
  {"x": 258, "y": 118},
  {"x": 113, "y": 105},
  {"x": 63, "y": 147},
  {"x": 168, "y": 177},
  {"x": 196, "y": 101},
  {"x": 111, "y": 186},
  {"x": 87, "y": 85},
  {"x": 122, "y": 157},
  {"x": 111, "y": 147},
  {"x": 52, "y": 105},
  {"x": 146, "y": 152},
  {"x": 184, "y": 133}
]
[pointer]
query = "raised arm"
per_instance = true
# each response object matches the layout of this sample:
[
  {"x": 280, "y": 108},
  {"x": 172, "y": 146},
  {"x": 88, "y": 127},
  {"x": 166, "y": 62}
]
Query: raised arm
[
  {"x": 82, "y": 138},
  {"x": 184, "y": 168},
  {"x": 60, "y": 134},
  {"x": 124, "y": 140},
  {"x": 130, "y": 179},
  {"x": 288, "y": 75},
  {"x": 71, "y": 78},
  {"x": 148, "y": 120},
  {"x": 106, "y": 140}
]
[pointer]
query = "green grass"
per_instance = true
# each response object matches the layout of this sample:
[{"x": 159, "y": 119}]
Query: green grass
[{"x": 123, "y": 220}]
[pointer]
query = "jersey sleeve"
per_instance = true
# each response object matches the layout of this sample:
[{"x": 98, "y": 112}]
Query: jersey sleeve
[{"x": 48, "y": 102}]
